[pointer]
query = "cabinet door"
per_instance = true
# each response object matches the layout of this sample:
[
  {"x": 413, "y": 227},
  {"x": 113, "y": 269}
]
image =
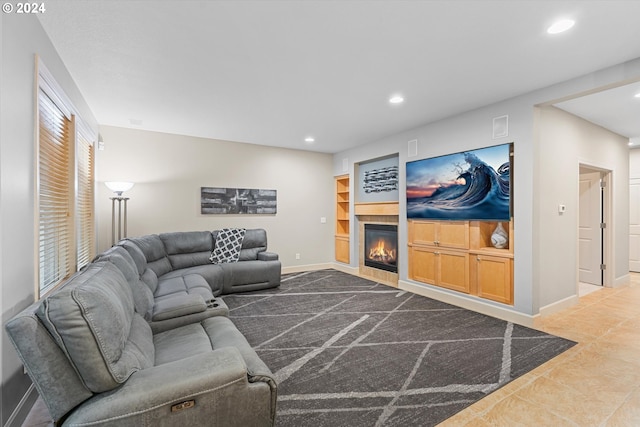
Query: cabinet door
[
  {"x": 494, "y": 278},
  {"x": 423, "y": 232},
  {"x": 453, "y": 271},
  {"x": 342, "y": 249},
  {"x": 453, "y": 234},
  {"x": 422, "y": 265}
]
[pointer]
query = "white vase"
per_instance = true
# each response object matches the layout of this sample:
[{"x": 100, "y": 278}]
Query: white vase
[{"x": 499, "y": 238}]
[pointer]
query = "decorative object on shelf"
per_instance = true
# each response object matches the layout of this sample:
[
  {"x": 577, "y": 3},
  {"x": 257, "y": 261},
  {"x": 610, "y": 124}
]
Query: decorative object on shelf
[
  {"x": 215, "y": 200},
  {"x": 118, "y": 187},
  {"x": 499, "y": 238}
]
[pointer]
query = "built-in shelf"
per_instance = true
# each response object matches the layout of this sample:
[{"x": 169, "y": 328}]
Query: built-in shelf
[{"x": 342, "y": 246}]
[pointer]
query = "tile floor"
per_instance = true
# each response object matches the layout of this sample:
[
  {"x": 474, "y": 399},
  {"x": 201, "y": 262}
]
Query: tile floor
[{"x": 595, "y": 383}]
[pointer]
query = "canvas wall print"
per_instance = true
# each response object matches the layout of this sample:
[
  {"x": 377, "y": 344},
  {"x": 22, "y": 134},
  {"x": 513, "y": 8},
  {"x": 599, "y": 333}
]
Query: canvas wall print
[
  {"x": 377, "y": 180},
  {"x": 470, "y": 185},
  {"x": 231, "y": 201},
  {"x": 381, "y": 180}
]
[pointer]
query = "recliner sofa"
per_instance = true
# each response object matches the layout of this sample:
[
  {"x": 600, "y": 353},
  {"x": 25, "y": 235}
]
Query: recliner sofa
[{"x": 104, "y": 348}]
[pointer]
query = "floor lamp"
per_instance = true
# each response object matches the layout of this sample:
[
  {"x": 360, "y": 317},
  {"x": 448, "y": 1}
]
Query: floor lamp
[{"x": 118, "y": 187}]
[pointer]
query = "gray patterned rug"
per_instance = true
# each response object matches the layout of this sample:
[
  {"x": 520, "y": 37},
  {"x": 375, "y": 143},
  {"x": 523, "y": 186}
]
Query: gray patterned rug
[{"x": 351, "y": 352}]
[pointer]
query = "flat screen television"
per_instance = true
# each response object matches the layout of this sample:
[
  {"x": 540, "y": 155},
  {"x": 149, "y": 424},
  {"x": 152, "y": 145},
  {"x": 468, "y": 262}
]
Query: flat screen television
[{"x": 470, "y": 185}]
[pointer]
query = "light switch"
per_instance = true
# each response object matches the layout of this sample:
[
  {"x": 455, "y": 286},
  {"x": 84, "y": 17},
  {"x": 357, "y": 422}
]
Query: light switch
[{"x": 561, "y": 209}]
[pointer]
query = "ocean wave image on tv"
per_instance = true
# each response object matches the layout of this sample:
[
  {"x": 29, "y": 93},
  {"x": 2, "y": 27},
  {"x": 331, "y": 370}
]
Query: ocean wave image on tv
[{"x": 471, "y": 185}]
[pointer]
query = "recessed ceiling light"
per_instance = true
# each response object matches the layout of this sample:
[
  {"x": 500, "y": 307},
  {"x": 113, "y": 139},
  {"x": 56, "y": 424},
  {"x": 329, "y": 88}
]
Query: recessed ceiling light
[
  {"x": 637, "y": 95},
  {"x": 309, "y": 139},
  {"x": 396, "y": 99},
  {"x": 561, "y": 26}
]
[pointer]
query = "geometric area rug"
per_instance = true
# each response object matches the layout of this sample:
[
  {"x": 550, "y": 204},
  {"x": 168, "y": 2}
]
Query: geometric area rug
[{"x": 347, "y": 351}]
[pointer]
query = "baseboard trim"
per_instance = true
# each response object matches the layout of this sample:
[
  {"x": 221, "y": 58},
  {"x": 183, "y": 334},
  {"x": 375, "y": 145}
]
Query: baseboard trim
[
  {"x": 307, "y": 267},
  {"x": 20, "y": 413},
  {"x": 559, "y": 305},
  {"x": 473, "y": 305},
  {"x": 315, "y": 267}
]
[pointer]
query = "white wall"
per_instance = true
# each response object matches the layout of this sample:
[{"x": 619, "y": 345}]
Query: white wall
[
  {"x": 564, "y": 142},
  {"x": 170, "y": 169},
  {"x": 22, "y": 38},
  {"x": 634, "y": 163}
]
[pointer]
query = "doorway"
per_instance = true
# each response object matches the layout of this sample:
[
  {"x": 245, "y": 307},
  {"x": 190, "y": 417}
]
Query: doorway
[{"x": 592, "y": 228}]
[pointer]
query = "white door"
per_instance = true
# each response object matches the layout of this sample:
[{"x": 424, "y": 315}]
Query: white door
[
  {"x": 589, "y": 231},
  {"x": 634, "y": 226}
]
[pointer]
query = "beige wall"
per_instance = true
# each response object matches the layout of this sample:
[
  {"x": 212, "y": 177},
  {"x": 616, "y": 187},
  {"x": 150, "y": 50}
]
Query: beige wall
[
  {"x": 634, "y": 163},
  {"x": 170, "y": 169},
  {"x": 565, "y": 142}
]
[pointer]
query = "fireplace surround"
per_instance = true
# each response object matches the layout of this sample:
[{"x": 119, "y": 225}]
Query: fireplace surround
[
  {"x": 381, "y": 246},
  {"x": 376, "y": 213}
]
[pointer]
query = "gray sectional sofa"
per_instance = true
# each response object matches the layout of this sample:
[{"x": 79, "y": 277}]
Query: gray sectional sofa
[{"x": 140, "y": 337}]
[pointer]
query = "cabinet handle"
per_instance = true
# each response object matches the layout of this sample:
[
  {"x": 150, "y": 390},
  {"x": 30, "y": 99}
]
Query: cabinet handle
[{"x": 478, "y": 258}]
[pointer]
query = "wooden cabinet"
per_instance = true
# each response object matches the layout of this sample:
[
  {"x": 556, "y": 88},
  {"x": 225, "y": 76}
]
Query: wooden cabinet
[
  {"x": 342, "y": 246},
  {"x": 441, "y": 267},
  {"x": 438, "y": 253},
  {"x": 448, "y": 234},
  {"x": 458, "y": 255},
  {"x": 493, "y": 277}
]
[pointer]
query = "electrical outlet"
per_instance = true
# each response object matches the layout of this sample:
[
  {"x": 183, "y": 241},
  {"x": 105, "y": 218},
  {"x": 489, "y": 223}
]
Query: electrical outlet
[{"x": 297, "y": 256}]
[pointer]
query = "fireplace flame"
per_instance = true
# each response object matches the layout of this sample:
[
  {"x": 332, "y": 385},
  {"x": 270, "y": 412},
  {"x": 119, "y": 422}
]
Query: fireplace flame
[{"x": 379, "y": 253}]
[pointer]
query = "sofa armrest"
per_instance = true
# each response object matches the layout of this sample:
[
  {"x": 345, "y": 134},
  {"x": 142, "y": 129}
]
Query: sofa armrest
[
  {"x": 177, "y": 306},
  {"x": 199, "y": 387},
  {"x": 267, "y": 256}
]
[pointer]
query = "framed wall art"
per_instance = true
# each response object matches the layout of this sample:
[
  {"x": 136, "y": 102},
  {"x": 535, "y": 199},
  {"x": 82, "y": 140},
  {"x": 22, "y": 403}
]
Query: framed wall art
[{"x": 234, "y": 201}]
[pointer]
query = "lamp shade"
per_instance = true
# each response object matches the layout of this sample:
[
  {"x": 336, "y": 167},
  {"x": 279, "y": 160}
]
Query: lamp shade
[{"x": 119, "y": 187}]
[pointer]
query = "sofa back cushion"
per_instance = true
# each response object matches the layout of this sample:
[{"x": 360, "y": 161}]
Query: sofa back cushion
[
  {"x": 136, "y": 254},
  {"x": 188, "y": 249},
  {"x": 142, "y": 293},
  {"x": 255, "y": 241},
  {"x": 154, "y": 253},
  {"x": 92, "y": 319}
]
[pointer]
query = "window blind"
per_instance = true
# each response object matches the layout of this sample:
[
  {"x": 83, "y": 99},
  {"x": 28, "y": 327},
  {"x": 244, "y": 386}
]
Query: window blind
[
  {"x": 85, "y": 237},
  {"x": 54, "y": 194}
]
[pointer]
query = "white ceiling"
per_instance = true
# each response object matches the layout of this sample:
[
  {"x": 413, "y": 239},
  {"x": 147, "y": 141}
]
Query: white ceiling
[
  {"x": 615, "y": 109},
  {"x": 274, "y": 72}
]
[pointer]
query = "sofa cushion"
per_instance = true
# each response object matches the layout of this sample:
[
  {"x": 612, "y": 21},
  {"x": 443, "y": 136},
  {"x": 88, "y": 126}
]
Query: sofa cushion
[
  {"x": 92, "y": 319},
  {"x": 154, "y": 252},
  {"x": 187, "y": 249},
  {"x": 255, "y": 241},
  {"x": 174, "y": 344},
  {"x": 150, "y": 278},
  {"x": 142, "y": 294},
  {"x": 212, "y": 273},
  {"x": 136, "y": 254},
  {"x": 192, "y": 284}
]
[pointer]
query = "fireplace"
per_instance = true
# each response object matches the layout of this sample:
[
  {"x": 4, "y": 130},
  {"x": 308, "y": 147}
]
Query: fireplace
[{"x": 381, "y": 246}]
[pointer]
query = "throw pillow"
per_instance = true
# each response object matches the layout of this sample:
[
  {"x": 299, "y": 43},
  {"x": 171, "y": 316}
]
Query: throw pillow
[{"x": 227, "y": 246}]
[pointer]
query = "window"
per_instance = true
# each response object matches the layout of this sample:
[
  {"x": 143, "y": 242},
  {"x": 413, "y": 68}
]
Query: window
[{"x": 65, "y": 187}]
